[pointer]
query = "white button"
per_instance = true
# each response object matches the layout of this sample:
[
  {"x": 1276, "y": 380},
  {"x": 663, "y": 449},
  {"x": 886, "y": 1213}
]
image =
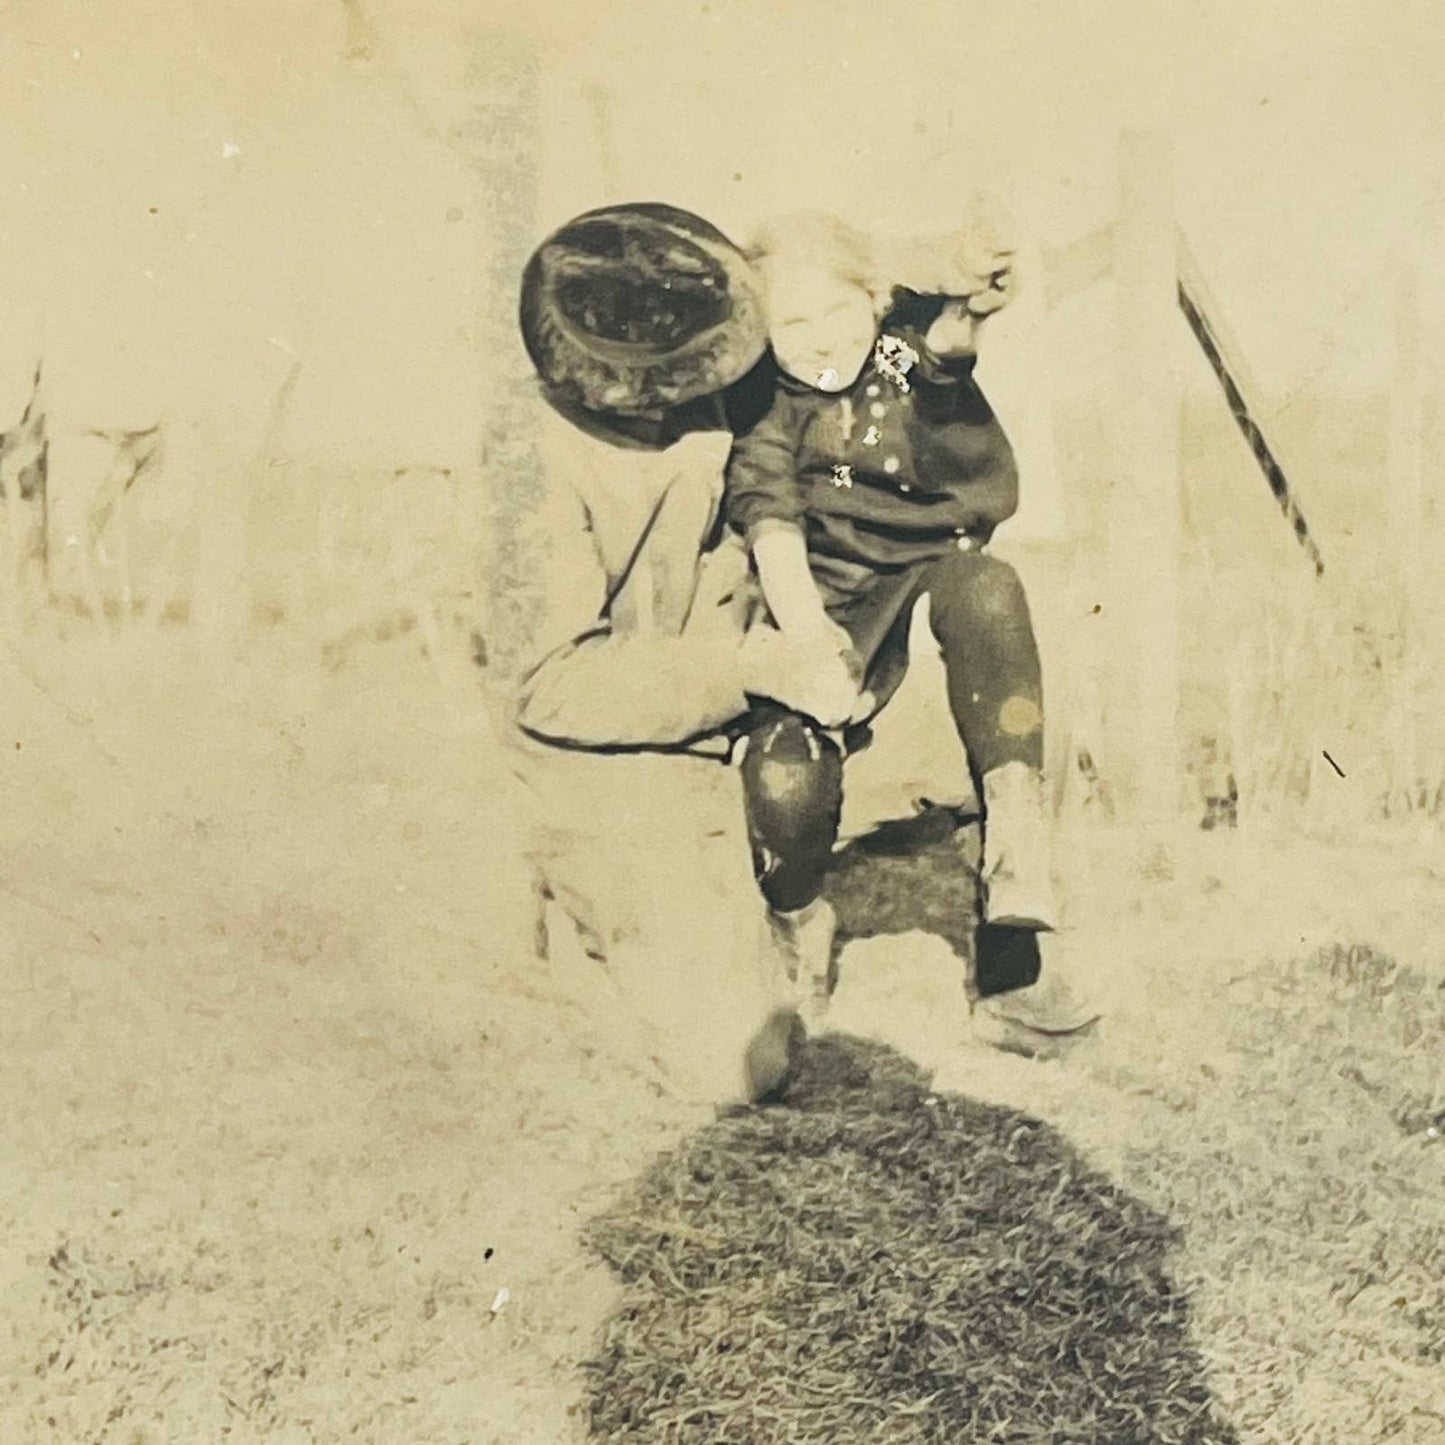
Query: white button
[
  {"x": 873, "y": 389},
  {"x": 904, "y": 487},
  {"x": 891, "y": 465},
  {"x": 870, "y": 437},
  {"x": 877, "y": 409}
]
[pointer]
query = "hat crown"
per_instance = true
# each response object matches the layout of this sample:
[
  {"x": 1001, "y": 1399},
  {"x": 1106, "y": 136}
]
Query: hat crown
[
  {"x": 652, "y": 287},
  {"x": 640, "y": 307}
]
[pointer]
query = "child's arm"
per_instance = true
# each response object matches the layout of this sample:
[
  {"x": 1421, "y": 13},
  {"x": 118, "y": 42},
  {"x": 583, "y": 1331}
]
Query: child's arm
[
  {"x": 780, "y": 553},
  {"x": 765, "y": 501}
]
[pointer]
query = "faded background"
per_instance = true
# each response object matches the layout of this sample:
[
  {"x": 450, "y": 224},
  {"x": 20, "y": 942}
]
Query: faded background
[
  {"x": 288, "y": 1095},
  {"x": 292, "y": 232}
]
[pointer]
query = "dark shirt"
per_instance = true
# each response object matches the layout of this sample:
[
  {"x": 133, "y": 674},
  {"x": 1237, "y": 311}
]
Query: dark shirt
[{"x": 886, "y": 475}]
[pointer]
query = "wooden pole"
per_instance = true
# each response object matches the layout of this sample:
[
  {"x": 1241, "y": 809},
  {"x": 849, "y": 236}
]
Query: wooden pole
[
  {"x": 1242, "y": 393},
  {"x": 1145, "y": 514},
  {"x": 224, "y": 476},
  {"x": 1406, "y": 514},
  {"x": 502, "y": 139}
]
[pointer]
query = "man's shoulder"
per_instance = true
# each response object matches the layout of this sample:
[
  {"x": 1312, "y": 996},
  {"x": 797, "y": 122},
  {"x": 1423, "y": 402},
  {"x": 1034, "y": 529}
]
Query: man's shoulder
[{"x": 748, "y": 401}]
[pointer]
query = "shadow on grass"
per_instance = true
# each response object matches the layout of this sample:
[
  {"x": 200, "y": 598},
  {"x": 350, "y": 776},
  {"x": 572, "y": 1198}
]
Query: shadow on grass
[
  {"x": 918, "y": 873},
  {"x": 870, "y": 1261}
]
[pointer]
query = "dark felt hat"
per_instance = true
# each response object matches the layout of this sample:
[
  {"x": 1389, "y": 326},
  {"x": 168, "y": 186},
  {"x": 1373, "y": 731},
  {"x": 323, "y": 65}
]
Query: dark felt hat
[{"x": 639, "y": 308}]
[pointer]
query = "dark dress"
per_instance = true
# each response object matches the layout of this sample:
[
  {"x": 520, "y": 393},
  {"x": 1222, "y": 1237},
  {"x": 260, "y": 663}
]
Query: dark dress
[{"x": 885, "y": 479}]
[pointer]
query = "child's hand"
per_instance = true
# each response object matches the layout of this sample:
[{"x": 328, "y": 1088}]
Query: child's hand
[
  {"x": 814, "y": 672},
  {"x": 829, "y": 680}
]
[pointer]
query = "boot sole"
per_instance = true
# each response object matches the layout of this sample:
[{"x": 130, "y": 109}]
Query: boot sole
[{"x": 1029, "y": 1043}]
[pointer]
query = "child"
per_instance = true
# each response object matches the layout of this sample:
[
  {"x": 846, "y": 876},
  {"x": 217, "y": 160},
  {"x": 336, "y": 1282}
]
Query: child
[{"x": 877, "y": 477}]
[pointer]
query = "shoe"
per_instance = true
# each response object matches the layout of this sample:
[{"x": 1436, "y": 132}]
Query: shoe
[
  {"x": 805, "y": 939},
  {"x": 1016, "y": 875},
  {"x": 1039, "y": 1018},
  {"x": 772, "y": 1056}
]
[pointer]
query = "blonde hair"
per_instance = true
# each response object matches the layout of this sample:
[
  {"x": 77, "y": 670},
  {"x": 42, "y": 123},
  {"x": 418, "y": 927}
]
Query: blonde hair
[{"x": 817, "y": 241}]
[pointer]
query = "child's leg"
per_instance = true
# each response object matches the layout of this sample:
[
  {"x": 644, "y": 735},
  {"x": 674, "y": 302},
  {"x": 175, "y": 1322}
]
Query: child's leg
[
  {"x": 981, "y": 619},
  {"x": 793, "y": 790},
  {"x": 792, "y": 776}
]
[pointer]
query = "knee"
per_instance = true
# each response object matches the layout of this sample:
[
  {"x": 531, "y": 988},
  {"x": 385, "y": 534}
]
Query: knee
[
  {"x": 793, "y": 786},
  {"x": 974, "y": 592},
  {"x": 793, "y": 775}
]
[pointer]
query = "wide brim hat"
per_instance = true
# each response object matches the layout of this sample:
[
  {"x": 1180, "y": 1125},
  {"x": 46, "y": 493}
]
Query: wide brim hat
[{"x": 638, "y": 308}]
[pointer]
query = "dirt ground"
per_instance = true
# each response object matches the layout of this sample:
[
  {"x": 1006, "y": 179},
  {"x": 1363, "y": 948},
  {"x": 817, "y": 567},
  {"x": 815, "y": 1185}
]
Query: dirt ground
[
  {"x": 299, "y": 1135},
  {"x": 297, "y": 1132}
]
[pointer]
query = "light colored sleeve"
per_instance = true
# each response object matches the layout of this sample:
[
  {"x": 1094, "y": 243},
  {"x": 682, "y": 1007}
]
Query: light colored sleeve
[{"x": 629, "y": 677}]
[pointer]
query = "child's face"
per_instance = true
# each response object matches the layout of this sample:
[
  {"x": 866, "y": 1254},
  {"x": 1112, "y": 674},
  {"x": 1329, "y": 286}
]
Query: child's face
[{"x": 822, "y": 328}]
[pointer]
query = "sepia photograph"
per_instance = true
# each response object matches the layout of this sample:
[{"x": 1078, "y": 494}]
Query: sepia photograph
[{"x": 722, "y": 723}]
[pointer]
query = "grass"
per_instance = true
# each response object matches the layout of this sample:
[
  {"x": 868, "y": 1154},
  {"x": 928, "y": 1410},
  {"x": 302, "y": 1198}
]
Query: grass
[
  {"x": 874, "y": 1261},
  {"x": 1263, "y": 1237}
]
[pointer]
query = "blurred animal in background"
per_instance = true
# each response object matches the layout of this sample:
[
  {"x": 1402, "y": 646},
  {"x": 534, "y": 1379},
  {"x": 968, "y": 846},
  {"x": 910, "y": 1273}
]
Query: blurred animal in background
[{"x": 22, "y": 450}]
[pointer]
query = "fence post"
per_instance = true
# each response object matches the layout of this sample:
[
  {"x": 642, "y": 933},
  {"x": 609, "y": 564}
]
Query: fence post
[
  {"x": 502, "y": 135},
  {"x": 1144, "y": 515},
  {"x": 1406, "y": 515}
]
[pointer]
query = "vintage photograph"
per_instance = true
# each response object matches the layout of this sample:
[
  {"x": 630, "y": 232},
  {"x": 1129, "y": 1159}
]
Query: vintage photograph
[{"x": 722, "y": 723}]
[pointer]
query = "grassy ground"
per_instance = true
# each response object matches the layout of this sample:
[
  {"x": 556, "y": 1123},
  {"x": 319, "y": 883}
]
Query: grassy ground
[{"x": 288, "y": 1104}]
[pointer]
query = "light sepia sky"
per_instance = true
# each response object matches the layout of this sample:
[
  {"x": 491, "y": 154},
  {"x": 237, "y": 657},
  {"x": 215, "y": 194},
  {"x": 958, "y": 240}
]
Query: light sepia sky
[
  {"x": 333, "y": 208},
  {"x": 1309, "y": 135}
]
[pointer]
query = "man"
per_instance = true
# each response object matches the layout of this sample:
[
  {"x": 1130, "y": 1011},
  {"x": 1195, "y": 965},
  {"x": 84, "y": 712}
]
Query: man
[
  {"x": 692, "y": 655},
  {"x": 647, "y": 330},
  {"x": 641, "y": 321}
]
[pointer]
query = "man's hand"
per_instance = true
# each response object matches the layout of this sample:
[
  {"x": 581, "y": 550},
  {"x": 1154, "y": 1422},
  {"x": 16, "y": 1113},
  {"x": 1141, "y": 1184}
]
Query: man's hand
[{"x": 976, "y": 263}]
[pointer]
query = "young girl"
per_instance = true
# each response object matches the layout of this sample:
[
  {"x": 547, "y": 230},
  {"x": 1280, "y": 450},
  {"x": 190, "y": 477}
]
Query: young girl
[{"x": 878, "y": 477}]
